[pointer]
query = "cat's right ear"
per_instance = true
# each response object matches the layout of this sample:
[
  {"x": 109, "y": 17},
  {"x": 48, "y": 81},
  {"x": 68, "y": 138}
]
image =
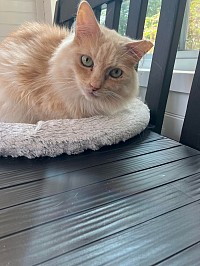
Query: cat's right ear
[
  {"x": 86, "y": 23},
  {"x": 138, "y": 49}
]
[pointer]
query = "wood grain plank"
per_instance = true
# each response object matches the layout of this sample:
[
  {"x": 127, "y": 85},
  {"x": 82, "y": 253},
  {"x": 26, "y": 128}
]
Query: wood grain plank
[
  {"x": 144, "y": 244},
  {"x": 69, "y": 203},
  {"x": 70, "y": 181},
  {"x": 190, "y": 256},
  {"x": 53, "y": 239},
  {"x": 82, "y": 199},
  {"x": 40, "y": 170},
  {"x": 190, "y": 186}
]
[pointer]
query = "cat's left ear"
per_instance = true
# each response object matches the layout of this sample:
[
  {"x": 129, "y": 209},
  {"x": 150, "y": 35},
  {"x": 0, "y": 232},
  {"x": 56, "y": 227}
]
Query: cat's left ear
[
  {"x": 86, "y": 23},
  {"x": 138, "y": 49}
]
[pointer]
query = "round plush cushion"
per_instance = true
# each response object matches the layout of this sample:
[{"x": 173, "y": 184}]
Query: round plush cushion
[{"x": 72, "y": 136}]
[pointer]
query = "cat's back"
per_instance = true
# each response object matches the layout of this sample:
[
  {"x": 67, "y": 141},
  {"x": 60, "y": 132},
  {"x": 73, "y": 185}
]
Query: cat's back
[
  {"x": 30, "y": 44},
  {"x": 24, "y": 63},
  {"x": 37, "y": 32}
]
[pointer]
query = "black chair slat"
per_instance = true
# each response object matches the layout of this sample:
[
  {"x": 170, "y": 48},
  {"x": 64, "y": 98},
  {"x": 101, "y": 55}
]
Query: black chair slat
[
  {"x": 69, "y": 23},
  {"x": 113, "y": 14},
  {"x": 166, "y": 44},
  {"x": 136, "y": 18},
  {"x": 95, "y": 3},
  {"x": 68, "y": 8},
  {"x": 191, "y": 127},
  {"x": 97, "y": 12}
]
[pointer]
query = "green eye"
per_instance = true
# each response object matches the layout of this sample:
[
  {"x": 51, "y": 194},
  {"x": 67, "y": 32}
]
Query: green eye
[
  {"x": 116, "y": 73},
  {"x": 86, "y": 61}
]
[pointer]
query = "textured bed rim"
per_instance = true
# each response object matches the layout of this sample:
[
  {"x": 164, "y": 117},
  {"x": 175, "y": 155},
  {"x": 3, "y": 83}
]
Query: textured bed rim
[{"x": 72, "y": 136}]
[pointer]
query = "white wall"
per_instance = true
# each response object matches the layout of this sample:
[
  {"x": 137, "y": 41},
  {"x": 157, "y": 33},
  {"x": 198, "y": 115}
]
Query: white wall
[
  {"x": 53, "y": 3},
  {"x": 49, "y": 8},
  {"x": 177, "y": 101},
  {"x": 15, "y": 12}
]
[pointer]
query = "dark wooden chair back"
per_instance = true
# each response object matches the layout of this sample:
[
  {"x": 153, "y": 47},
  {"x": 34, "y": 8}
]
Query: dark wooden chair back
[{"x": 166, "y": 44}]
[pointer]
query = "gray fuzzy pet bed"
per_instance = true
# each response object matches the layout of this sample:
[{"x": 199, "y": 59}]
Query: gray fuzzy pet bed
[{"x": 72, "y": 136}]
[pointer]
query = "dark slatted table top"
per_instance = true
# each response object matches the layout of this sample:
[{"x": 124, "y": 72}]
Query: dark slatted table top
[{"x": 135, "y": 203}]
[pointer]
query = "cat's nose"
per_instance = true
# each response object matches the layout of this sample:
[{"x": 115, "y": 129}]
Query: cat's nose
[{"x": 95, "y": 86}]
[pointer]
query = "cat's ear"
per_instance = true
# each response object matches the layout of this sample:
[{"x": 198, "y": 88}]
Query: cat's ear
[
  {"x": 86, "y": 23},
  {"x": 138, "y": 49}
]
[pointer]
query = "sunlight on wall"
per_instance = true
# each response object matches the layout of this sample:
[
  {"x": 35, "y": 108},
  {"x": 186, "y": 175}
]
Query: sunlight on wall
[{"x": 53, "y": 3}]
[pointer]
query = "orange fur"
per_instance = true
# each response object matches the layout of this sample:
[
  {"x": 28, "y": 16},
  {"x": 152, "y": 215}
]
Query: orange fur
[{"x": 42, "y": 78}]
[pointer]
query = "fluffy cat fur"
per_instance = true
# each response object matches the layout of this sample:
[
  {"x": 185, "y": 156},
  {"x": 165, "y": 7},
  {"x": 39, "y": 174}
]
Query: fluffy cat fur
[{"x": 42, "y": 77}]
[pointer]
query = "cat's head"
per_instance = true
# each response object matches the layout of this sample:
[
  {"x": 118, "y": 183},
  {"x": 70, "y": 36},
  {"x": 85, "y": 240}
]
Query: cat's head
[{"x": 99, "y": 60}]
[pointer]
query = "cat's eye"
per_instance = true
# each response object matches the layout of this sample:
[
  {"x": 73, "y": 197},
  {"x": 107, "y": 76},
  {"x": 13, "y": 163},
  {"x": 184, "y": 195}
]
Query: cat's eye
[
  {"x": 115, "y": 73},
  {"x": 87, "y": 61}
]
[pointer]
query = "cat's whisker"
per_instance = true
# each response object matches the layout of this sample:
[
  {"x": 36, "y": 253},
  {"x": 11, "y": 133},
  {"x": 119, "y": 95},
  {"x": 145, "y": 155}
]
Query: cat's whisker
[
  {"x": 113, "y": 94},
  {"x": 5, "y": 73},
  {"x": 46, "y": 83},
  {"x": 109, "y": 95},
  {"x": 28, "y": 111},
  {"x": 28, "y": 94},
  {"x": 68, "y": 78},
  {"x": 37, "y": 88},
  {"x": 31, "y": 108},
  {"x": 35, "y": 103}
]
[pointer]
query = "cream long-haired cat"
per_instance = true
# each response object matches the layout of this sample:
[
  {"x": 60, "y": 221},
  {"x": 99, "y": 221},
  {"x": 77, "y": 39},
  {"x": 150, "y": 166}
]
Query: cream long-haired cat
[{"x": 47, "y": 72}]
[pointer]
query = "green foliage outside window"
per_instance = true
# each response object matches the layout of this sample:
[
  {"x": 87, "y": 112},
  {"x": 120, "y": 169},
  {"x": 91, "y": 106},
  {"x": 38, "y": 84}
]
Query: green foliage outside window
[
  {"x": 152, "y": 18},
  {"x": 193, "y": 36}
]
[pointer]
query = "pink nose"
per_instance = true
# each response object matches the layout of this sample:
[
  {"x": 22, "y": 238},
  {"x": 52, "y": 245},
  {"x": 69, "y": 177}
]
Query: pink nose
[{"x": 94, "y": 86}]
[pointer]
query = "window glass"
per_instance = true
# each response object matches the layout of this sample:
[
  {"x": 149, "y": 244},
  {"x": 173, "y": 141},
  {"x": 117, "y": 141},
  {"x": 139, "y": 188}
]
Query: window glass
[
  {"x": 103, "y": 14},
  {"x": 190, "y": 34},
  {"x": 193, "y": 29},
  {"x": 124, "y": 17}
]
